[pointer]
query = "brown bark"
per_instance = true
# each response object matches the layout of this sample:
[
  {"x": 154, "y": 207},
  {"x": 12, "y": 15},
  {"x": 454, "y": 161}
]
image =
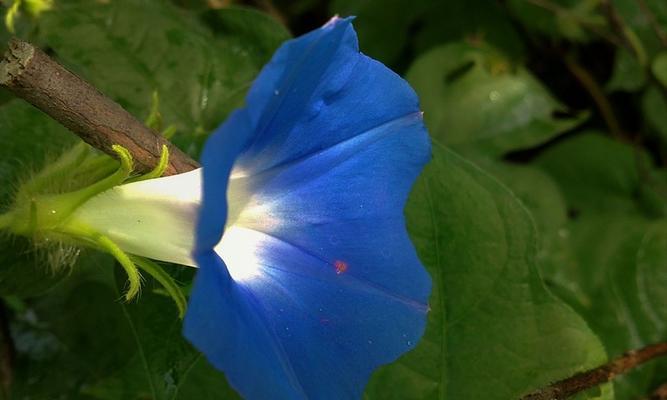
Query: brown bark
[
  {"x": 595, "y": 377},
  {"x": 660, "y": 393},
  {"x": 32, "y": 75}
]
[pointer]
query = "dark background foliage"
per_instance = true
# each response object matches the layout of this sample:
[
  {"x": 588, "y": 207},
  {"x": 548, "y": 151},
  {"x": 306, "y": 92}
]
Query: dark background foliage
[{"x": 542, "y": 217}]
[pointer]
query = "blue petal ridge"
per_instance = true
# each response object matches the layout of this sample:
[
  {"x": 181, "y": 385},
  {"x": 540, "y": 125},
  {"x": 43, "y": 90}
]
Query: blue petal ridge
[{"x": 329, "y": 143}]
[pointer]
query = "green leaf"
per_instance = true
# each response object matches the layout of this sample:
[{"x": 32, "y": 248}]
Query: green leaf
[
  {"x": 382, "y": 25},
  {"x": 449, "y": 21},
  {"x": 652, "y": 274},
  {"x": 600, "y": 175},
  {"x": 128, "y": 49},
  {"x": 659, "y": 68},
  {"x": 569, "y": 19},
  {"x": 476, "y": 101},
  {"x": 494, "y": 331},
  {"x": 71, "y": 336},
  {"x": 653, "y": 109},
  {"x": 543, "y": 198},
  {"x": 617, "y": 256},
  {"x": 257, "y": 33},
  {"x": 609, "y": 190},
  {"x": 628, "y": 74},
  {"x": 81, "y": 342},
  {"x": 164, "y": 366}
]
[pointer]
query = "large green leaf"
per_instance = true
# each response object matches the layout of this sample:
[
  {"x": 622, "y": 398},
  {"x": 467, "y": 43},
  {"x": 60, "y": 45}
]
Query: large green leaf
[
  {"x": 610, "y": 189},
  {"x": 653, "y": 109},
  {"x": 475, "y": 100},
  {"x": 543, "y": 198},
  {"x": 652, "y": 274},
  {"x": 621, "y": 259},
  {"x": 600, "y": 175},
  {"x": 495, "y": 331},
  {"x": 628, "y": 74},
  {"x": 128, "y": 49}
]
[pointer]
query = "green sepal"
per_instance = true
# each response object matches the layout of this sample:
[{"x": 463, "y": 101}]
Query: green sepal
[
  {"x": 169, "y": 132},
  {"x": 35, "y": 213},
  {"x": 45, "y": 205},
  {"x": 57, "y": 171},
  {"x": 159, "y": 169},
  {"x": 170, "y": 286},
  {"x": 133, "y": 275},
  {"x": 154, "y": 119},
  {"x": 12, "y": 14}
]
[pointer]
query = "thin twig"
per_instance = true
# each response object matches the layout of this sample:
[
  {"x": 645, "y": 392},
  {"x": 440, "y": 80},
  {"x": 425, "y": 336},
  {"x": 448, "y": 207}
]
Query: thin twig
[
  {"x": 586, "y": 380},
  {"x": 32, "y": 75},
  {"x": 650, "y": 16},
  {"x": 597, "y": 94},
  {"x": 628, "y": 36},
  {"x": 660, "y": 393}
]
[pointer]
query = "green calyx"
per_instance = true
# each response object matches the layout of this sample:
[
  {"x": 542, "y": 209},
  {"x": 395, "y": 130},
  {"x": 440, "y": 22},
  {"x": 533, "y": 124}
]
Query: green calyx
[
  {"x": 44, "y": 208},
  {"x": 37, "y": 213}
]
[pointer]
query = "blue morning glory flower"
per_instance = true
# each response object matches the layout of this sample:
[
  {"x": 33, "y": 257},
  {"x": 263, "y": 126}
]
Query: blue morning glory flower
[{"x": 307, "y": 278}]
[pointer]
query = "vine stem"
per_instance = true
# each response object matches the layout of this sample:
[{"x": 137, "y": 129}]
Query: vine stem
[
  {"x": 628, "y": 36},
  {"x": 660, "y": 393},
  {"x": 35, "y": 77},
  {"x": 597, "y": 94},
  {"x": 586, "y": 380},
  {"x": 650, "y": 16}
]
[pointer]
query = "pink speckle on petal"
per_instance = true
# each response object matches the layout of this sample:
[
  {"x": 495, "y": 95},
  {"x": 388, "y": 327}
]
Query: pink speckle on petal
[{"x": 341, "y": 266}]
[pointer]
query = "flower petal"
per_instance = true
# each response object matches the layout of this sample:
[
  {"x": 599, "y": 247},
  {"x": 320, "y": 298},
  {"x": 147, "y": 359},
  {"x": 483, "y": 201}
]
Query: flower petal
[
  {"x": 298, "y": 328},
  {"x": 320, "y": 283},
  {"x": 346, "y": 205},
  {"x": 317, "y": 91},
  {"x": 218, "y": 157}
]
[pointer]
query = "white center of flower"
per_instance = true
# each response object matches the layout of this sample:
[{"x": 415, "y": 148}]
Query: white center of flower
[
  {"x": 156, "y": 219},
  {"x": 239, "y": 249}
]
